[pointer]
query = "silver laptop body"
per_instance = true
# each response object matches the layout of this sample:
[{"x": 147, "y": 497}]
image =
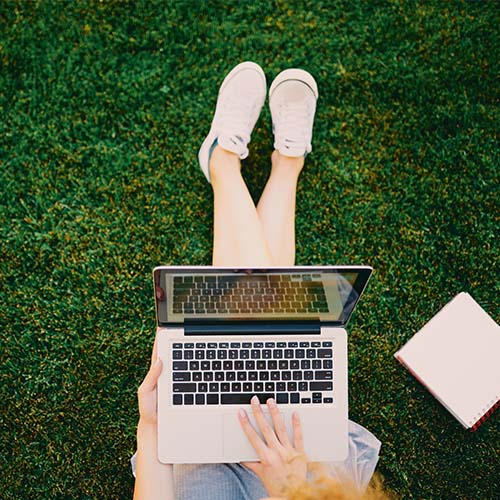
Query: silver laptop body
[{"x": 225, "y": 334}]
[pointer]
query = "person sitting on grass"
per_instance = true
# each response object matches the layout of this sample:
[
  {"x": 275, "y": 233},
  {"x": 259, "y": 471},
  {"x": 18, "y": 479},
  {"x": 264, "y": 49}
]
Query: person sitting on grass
[{"x": 246, "y": 236}]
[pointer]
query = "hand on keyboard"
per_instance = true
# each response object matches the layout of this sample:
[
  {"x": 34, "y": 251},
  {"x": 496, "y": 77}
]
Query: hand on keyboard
[{"x": 282, "y": 464}]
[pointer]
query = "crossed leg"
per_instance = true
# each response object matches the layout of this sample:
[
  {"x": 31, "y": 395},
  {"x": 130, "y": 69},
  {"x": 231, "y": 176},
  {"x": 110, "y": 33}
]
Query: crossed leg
[{"x": 246, "y": 236}]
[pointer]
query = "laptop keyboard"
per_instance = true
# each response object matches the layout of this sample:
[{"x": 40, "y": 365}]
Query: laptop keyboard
[
  {"x": 212, "y": 373},
  {"x": 219, "y": 294}
]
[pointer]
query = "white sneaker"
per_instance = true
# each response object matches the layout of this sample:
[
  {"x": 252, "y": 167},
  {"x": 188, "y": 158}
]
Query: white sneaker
[
  {"x": 241, "y": 97},
  {"x": 292, "y": 100}
]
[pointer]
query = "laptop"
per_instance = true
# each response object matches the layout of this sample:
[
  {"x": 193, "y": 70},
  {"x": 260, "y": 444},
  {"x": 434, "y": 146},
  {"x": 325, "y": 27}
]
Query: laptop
[{"x": 225, "y": 335}]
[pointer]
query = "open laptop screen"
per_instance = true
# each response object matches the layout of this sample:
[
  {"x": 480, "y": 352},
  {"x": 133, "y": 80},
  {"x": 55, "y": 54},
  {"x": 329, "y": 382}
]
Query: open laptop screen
[{"x": 324, "y": 293}]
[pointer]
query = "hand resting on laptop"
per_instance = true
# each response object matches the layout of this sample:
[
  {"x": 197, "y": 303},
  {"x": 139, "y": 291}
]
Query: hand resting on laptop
[{"x": 281, "y": 462}]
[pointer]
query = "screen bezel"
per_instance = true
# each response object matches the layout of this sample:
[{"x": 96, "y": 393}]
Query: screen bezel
[{"x": 364, "y": 273}]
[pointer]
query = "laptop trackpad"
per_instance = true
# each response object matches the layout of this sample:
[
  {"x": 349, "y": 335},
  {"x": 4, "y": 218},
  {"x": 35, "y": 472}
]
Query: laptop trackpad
[
  {"x": 237, "y": 447},
  {"x": 191, "y": 438}
]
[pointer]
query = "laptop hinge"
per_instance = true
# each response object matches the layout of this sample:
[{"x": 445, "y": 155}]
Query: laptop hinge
[{"x": 253, "y": 328}]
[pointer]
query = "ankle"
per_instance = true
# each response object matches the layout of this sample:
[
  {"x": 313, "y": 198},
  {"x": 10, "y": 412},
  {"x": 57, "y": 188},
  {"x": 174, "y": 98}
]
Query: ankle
[
  {"x": 223, "y": 162},
  {"x": 286, "y": 165}
]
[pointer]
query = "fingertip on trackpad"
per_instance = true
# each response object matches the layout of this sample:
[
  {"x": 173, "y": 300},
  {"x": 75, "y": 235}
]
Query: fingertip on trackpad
[{"x": 236, "y": 445}]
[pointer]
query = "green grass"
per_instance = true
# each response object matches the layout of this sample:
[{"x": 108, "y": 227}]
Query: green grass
[{"x": 104, "y": 106}]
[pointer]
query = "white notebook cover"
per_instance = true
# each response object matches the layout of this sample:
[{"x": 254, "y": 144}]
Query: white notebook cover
[{"x": 456, "y": 355}]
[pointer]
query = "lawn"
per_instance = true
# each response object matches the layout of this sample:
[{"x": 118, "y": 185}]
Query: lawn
[{"x": 103, "y": 107}]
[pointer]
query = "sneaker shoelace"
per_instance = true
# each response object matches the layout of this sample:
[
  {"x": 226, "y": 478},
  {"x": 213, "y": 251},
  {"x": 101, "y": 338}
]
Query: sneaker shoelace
[
  {"x": 235, "y": 116},
  {"x": 293, "y": 125}
]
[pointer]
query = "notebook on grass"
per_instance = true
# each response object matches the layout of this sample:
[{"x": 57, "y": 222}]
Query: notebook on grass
[{"x": 456, "y": 356}]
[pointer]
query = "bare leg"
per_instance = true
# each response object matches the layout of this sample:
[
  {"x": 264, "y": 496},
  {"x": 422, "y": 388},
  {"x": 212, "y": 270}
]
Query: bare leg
[
  {"x": 276, "y": 208},
  {"x": 239, "y": 239}
]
